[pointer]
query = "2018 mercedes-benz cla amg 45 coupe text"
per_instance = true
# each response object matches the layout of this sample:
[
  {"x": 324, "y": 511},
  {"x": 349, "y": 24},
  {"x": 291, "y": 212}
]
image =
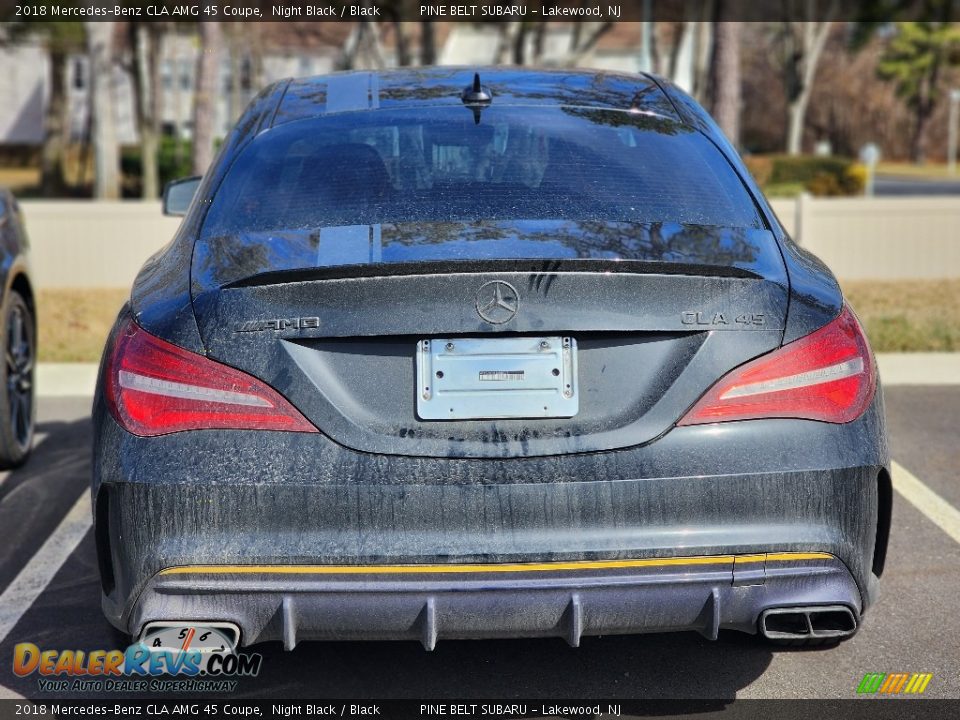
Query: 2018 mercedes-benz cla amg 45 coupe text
[{"x": 438, "y": 355}]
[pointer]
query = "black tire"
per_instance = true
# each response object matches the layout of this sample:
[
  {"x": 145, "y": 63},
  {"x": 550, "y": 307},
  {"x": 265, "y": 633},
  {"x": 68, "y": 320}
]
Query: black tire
[{"x": 17, "y": 406}]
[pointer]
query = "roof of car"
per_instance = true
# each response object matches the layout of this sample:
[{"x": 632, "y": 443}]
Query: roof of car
[{"x": 418, "y": 87}]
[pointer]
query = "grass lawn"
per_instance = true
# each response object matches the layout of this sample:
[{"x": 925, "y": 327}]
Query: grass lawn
[
  {"x": 908, "y": 315},
  {"x": 73, "y": 324},
  {"x": 783, "y": 190},
  {"x": 900, "y": 316}
]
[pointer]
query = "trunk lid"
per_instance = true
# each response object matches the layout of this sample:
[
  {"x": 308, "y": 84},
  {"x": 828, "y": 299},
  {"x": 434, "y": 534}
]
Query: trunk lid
[{"x": 652, "y": 332}]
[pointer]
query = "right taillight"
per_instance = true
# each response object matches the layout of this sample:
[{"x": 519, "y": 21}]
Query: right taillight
[{"x": 828, "y": 375}]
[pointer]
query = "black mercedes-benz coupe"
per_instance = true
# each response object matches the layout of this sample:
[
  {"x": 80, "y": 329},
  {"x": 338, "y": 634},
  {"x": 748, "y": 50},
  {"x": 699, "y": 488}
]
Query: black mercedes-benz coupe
[
  {"x": 19, "y": 331},
  {"x": 445, "y": 354}
]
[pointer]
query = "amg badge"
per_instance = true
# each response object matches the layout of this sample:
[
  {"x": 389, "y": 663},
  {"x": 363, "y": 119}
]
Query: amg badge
[{"x": 278, "y": 324}]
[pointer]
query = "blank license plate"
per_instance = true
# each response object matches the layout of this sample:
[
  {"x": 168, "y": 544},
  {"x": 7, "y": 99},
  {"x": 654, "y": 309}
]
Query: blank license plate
[{"x": 474, "y": 378}]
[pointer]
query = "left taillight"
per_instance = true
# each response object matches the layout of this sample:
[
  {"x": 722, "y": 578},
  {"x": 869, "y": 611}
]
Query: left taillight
[
  {"x": 828, "y": 375},
  {"x": 154, "y": 388}
]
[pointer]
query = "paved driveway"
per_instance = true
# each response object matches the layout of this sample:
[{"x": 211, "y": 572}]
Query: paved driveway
[{"x": 50, "y": 597}]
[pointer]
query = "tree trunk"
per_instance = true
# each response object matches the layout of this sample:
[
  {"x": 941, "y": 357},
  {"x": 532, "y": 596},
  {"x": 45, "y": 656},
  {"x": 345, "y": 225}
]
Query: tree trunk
[
  {"x": 918, "y": 141},
  {"x": 796, "y": 111},
  {"x": 428, "y": 43},
  {"x": 106, "y": 155},
  {"x": 205, "y": 96},
  {"x": 402, "y": 43},
  {"x": 506, "y": 39},
  {"x": 924, "y": 109},
  {"x": 584, "y": 43},
  {"x": 803, "y": 74},
  {"x": 52, "y": 182},
  {"x": 234, "y": 51},
  {"x": 702, "y": 52},
  {"x": 539, "y": 42},
  {"x": 395, "y": 12},
  {"x": 679, "y": 34},
  {"x": 520, "y": 44},
  {"x": 255, "y": 37},
  {"x": 145, "y": 90},
  {"x": 656, "y": 61},
  {"x": 725, "y": 81}
]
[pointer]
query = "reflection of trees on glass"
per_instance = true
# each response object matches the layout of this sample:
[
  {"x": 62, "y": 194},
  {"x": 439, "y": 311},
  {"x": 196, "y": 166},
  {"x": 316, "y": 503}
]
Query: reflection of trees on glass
[
  {"x": 667, "y": 242},
  {"x": 439, "y": 233},
  {"x": 642, "y": 120},
  {"x": 220, "y": 260},
  {"x": 594, "y": 239},
  {"x": 308, "y": 97}
]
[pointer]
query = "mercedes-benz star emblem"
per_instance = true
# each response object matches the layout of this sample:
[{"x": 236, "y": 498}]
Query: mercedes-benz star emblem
[{"x": 497, "y": 302}]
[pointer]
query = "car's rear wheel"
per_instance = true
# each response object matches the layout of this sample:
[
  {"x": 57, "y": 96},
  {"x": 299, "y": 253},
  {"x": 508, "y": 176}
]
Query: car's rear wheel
[{"x": 17, "y": 407}]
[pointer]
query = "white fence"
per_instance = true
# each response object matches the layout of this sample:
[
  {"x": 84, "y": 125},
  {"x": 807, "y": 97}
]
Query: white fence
[
  {"x": 103, "y": 244},
  {"x": 878, "y": 238},
  {"x": 93, "y": 244}
]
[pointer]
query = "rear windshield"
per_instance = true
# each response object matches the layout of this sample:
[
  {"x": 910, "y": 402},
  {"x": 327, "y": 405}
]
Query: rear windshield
[{"x": 439, "y": 165}]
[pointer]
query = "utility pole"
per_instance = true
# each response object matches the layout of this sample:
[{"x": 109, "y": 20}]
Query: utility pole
[{"x": 952, "y": 131}]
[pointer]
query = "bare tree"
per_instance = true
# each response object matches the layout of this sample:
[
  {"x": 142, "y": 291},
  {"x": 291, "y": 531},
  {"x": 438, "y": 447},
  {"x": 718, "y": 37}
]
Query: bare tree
[
  {"x": 146, "y": 38},
  {"x": 428, "y": 43},
  {"x": 254, "y": 33},
  {"x": 802, "y": 44},
  {"x": 235, "y": 57},
  {"x": 106, "y": 184},
  {"x": 584, "y": 39},
  {"x": 702, "y": 51},
  {"x": 395, "y": 11},
  {"x": 539, "y": 42},
  {"x": 60, "y": 39},
  {"x": 364, "y": 50},
  {"x": 52, "y": 182},
  {"x": 725, "y": 77},
  {"x": 205, "y": 96},
  {"x": 507, "y": 34}
]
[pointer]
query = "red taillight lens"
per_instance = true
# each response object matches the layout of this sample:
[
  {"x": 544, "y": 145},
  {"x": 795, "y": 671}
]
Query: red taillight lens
[
  {"x": 155, "y": 388},
  {"x": 828, "y": 375}
]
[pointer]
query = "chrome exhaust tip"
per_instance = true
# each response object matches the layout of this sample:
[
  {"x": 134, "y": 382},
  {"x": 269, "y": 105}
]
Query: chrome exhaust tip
[{"x": 817, "y": 621}]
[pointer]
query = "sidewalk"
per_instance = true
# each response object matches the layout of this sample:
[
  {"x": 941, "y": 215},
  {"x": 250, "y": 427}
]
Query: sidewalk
[{"x": 73, "y": 379}]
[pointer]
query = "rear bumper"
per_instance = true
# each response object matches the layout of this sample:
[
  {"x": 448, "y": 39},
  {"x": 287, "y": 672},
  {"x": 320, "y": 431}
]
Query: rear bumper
[
  {"x": 229, "y": 498},
  {"x": 569, "y": 600}
]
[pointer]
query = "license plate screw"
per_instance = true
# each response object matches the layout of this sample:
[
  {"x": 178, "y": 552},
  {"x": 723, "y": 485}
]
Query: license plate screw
[
  {"x": 449, "y": 347},
  {"x": 544, "y": 344}
]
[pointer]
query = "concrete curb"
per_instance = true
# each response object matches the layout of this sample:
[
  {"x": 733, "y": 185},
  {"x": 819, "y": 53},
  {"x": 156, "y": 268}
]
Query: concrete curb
[
  {"x": 66, "y": 379},
  {"x": 73, "y": 379},
  {"x": 919, "y": 368}
]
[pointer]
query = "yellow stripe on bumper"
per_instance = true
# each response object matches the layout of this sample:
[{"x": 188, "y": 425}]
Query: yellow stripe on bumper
[{"x": 488, "y": 568}]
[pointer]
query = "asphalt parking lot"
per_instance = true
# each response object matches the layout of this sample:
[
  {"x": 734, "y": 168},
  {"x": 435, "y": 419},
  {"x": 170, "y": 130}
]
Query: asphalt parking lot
[{"x": 50, "y": 597}]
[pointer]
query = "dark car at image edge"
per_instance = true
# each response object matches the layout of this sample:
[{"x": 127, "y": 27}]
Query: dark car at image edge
[
  {"x": 18, "y": 328},
  {"x": 445, "y": 353}
]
